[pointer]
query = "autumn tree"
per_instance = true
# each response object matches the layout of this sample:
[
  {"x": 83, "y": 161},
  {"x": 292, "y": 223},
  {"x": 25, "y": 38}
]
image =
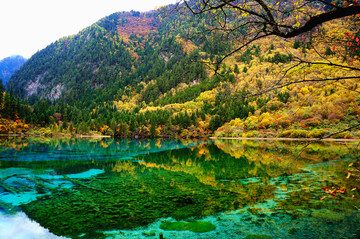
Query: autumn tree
[
  {"x": 246, "y": 22},
  {"x": 260, "y": 18}
]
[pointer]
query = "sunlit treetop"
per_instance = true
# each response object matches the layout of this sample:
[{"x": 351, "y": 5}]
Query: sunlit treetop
[
  {"x": 250, "y": 20},
  {"x": 281, "y": 18}
]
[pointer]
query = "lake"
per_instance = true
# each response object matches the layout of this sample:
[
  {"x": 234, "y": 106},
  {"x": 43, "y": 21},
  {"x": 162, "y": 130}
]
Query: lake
[{"x": 108, "y": 188}]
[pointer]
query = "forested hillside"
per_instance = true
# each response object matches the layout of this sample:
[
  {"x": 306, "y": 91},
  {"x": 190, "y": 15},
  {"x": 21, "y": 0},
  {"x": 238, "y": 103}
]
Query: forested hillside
[{"x": 150, "y": 74}]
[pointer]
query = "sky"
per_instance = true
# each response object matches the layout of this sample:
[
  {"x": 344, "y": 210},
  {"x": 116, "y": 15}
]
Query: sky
[{"x": 27, "y": 26}]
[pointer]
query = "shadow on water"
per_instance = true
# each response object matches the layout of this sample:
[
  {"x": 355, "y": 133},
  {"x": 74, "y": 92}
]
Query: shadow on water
[{"x": 77, "y": 187}]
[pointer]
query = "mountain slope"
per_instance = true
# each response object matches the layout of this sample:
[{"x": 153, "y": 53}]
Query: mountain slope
[
  {"x": 135, "y": 75},
  {"x": 119, "y": 50},
  {"x": 9, "y": 65}
]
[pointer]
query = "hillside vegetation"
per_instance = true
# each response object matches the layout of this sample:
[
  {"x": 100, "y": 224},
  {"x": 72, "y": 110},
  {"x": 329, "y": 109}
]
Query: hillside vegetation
[{"x": 137, "y": 75}]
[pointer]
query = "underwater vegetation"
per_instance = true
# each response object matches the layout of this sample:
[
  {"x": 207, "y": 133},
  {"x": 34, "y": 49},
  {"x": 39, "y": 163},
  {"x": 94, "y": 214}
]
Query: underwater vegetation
[
  {"x": 195, "y": 226},
  {"x": 131, "y": 201}
]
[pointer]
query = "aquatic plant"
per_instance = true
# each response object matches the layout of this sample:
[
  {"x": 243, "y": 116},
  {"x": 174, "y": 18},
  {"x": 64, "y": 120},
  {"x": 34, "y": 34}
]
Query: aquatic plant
[{"x": 194, "y": 226}]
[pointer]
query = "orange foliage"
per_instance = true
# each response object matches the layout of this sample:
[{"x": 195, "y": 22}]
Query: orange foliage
[
  {"x": 141, "y": 26},
  {"x": 13, "y": 127}
]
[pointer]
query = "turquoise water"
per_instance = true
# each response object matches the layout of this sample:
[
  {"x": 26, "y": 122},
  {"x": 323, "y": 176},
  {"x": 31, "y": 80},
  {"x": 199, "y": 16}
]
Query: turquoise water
[{"x": 106, "y": 188}]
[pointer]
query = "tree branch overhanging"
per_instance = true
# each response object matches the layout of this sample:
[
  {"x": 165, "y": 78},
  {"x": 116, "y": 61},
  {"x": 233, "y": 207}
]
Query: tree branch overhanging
[
  {"x": 269, "y": 18},
  {"x": 321, "y": 18},
  {"x": 265, "y": 19}
]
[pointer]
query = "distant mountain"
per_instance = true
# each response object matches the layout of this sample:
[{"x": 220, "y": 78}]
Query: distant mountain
[{"x": 9, "y": 65}]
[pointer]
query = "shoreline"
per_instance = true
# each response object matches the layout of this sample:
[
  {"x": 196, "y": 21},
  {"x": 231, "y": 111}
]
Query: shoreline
[
  {"x": 98, "y": 136},
  {"x": 289, "y": 139},
  {"x": 56, "y": 136}
]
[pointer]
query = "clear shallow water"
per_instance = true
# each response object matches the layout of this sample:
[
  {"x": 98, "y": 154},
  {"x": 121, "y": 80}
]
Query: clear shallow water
[{"x": 109, "y": 188}]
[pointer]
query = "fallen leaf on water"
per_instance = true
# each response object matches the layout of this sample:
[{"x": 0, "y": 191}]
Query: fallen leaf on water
[
  {"x": 342, "y": 190},
  {"x": 325, "y": 189}
]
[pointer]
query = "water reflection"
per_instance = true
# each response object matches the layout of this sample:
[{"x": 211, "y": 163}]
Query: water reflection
[
  {"x": 85, "y": 187},
  {"x": 46, "y": 149},
  {"x": 19, "y": 226}
]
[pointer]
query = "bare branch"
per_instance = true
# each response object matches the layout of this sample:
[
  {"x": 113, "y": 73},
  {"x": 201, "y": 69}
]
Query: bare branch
[
  {"x": 218, "y": 63},
  {"x": 331, "y": 64},
  {"x": 321, "y": 18},
  {"x": 276, "y": 87}
]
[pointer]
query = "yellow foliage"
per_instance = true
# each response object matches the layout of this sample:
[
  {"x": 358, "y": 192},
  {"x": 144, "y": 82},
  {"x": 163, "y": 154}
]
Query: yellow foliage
[
  {"x": 207, "y": 96},
  {"x": 188, "y": 45},
  {"x": 150, "y": 108},
  {"x": 237, "y": 122},
  {"x": 251, "y": 122},
  {"x": 158, "y": 131},
  {"x": 184, "y": 133},
  {"x": 305, "y": 90}
]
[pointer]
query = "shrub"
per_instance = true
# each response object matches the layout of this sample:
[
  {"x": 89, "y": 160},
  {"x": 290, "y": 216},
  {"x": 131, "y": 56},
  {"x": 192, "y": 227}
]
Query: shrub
[
  {"x": 251, "y": 122},
  {"x": 324, "y": 114},
  {"x": 335, "y": 117},
  {"x": 280, "y": 58},
  {"x": 312, "y": 122},
  {"x": 351, "y": 111},
  {"x": 296, "y": 44},
  {"x": 294, "y": 133},
  {"x": 251, "y": 134},
  {"x": 342, "y": 135},
  {"x": 264, "y": 120},
  {"x": 299, "y": 133},
  {"x": 219, "y": 133},
  {"x": 329, "y": 52},
  {"x": 264, "y": 124},
  {"x": 236, "y": 122},
  {"x": 281, "y": 123},
  {"x": 41, "y": 131},
  {"x": 285, "y": 133},
  {"x": 316, "y": 133}
]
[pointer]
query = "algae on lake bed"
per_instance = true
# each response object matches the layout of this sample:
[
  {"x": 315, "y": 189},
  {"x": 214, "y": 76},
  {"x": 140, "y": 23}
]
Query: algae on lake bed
[
  {"x": 258, "y": 236},
  {"x": 134, "y": 199},
  {"x": 195, "y": 226}
]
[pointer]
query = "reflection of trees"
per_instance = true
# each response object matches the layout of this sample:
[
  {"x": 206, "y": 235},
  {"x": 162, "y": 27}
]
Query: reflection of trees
[
  {"x": 270, "y": 151},
  {"x": 214, "y": 167},
  {"x": 181, "y": 183},
  {"x": 294, "y": 154},
  {"x": 223, "y": 161}
]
